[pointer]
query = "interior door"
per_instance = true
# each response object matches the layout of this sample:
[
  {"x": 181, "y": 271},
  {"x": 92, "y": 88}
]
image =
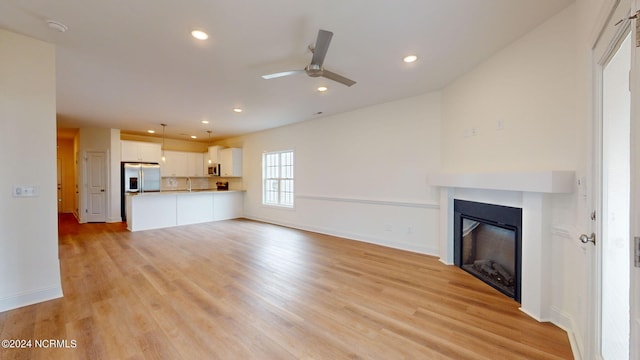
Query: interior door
[
  {"x": 60, "y": 192},
  {"x": 611, "y": 323},
  {"x": 635, "y": 187},
  {"x": 96, "y": 172}
]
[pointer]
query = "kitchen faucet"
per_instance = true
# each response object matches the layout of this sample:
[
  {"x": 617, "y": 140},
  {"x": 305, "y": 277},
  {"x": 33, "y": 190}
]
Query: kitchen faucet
[{"x": 189, "y": 184}]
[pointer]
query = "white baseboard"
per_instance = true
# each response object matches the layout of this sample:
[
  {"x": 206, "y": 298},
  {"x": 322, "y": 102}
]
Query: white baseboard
[
  {"x": 30, "y": 297},
  {"x": 566, "y": 323}
]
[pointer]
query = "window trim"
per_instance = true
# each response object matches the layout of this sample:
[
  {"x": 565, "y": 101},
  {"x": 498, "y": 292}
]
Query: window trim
[{"x": 279, "y": 204}]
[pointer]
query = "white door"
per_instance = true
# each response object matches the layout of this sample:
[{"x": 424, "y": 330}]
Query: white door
[
  {"x": 96, "y": 172},
  {"x": 611, "y": 335},
  {"x": 634, "y": 344}
]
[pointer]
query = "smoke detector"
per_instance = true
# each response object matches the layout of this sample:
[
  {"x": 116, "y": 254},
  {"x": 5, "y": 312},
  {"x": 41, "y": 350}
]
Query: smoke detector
[{"x": 57, "y": 26}]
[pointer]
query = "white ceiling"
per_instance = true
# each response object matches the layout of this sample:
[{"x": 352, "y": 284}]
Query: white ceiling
[{"x": 133, "y": 64}]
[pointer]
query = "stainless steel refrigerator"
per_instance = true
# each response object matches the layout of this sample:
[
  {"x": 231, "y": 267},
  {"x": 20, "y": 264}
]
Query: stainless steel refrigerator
[{"x": 138, "y": 178}]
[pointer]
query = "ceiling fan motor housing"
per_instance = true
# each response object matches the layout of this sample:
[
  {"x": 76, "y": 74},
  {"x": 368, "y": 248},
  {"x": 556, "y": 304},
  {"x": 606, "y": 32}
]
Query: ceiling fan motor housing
[{"x": 314, "y": 70}]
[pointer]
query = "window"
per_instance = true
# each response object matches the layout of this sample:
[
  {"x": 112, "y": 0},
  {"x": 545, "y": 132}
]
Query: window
[{"x": 277, "y": 178}]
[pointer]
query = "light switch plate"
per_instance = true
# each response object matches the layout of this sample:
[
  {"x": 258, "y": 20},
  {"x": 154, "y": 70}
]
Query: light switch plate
[{"x": 25, "y": 191}]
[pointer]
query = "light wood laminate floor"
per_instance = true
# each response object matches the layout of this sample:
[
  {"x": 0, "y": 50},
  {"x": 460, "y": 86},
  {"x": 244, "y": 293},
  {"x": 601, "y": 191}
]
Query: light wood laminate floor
[{"x": 247, "y": 290}]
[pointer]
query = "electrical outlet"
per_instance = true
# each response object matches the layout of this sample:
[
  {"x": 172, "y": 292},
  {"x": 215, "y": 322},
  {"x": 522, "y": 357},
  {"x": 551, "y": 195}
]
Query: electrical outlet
[
  {"x": 409, "y": 229},
  {"x": 500, "y": 125},
  {"x": 474, "y": 132}
]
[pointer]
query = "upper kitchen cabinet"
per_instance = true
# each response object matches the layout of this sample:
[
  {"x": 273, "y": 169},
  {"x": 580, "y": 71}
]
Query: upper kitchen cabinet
[
  {"x": 231, "y": 162},
  {"x": 214, "y": 154},
  {"x": 138, "y": 151},
  {"x": 182, "y": 164}
]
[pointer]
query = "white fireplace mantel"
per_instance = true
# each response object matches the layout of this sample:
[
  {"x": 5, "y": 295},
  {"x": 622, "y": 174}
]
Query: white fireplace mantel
[
  {"x": 551, "y": 182},
  {"x": 530, "y": 191}
]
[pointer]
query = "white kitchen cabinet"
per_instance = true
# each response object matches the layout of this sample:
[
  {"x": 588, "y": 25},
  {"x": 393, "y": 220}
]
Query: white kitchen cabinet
[
  {"x": 194, "y": 208},
  {"x": 210, "y": 158},
  {"x": 182, "y": 164},
  {"x": 231, "y": 162},
  {"x": 214, "y": 154},
  {"x": 138, "y": 151},
  {"x": 175, "y": 164},
  {"x": 228, "y": 205},
  {"x": 194, "y": 164}
]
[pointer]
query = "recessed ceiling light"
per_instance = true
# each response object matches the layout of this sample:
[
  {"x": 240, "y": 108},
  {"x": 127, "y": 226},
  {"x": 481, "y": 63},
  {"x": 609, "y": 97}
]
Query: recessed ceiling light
[
  {"x": 199, "y": 34},
  {"x": 322, "y": 88},
  {"x": 205, "y": 121},
  {"x": 410, "y": 58},
  {"x": 238, "y": 110},
  {"x": 151, "y": 131},
  {"x": 194, "y": 137}
]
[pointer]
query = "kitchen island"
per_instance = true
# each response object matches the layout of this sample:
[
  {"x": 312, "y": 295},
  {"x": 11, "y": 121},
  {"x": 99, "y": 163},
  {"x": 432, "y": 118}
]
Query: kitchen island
[{"x": 156, "y": 210}]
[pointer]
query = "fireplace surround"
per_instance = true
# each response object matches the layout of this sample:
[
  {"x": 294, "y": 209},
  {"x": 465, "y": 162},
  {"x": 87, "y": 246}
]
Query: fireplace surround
[
  {"x": 488, "y": 244},
  {"x": 530, "y": 191}
]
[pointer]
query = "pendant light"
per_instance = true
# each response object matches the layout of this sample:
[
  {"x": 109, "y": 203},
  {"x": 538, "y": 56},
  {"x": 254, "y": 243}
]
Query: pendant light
[
  {"x": 209, "y": 144},
  {"x": 163, "y": 127}
]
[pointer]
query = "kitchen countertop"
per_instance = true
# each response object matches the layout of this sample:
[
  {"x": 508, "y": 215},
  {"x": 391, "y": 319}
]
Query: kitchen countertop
[{"x": 175, "y": 192}]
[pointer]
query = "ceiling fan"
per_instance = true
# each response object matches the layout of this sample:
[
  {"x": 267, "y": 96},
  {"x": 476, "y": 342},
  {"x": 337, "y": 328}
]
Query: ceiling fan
[{"x": 315, "y": 68}]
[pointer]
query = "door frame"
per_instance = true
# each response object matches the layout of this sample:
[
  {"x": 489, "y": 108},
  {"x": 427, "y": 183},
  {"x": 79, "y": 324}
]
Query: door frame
[
  {"x": 604, "y": 45},
  {"x": 634, "y": 223}
]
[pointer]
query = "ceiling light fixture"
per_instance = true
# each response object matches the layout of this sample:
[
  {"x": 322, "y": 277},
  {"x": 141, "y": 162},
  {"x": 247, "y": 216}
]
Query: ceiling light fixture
[
  {"x": 205, "y": 121},
  {"x": 238, "y": 110},
  {"x": 151, "y": 131},
  {"x": 199, "y": 34},
  {"x": 410, "y": 58},
  {"x": 323, "y": 88},
  {"x": 163, "y": 127},
  {"x": 194, "y": 137}
]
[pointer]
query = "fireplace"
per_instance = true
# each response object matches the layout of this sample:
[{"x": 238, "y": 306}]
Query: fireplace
[{"x": 488, "y": 244}]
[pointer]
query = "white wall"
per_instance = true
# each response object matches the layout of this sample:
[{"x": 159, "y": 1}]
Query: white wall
[
  {"x": 540, "y": 88},
  {"x": 29, "y": 266},
  {"x": 361, "y": 175},
  {"x": 530, "y": 87}
]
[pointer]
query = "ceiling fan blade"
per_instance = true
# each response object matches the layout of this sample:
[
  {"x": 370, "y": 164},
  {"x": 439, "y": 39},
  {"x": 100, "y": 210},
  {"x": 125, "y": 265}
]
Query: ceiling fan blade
[
  {"x": 281, "y": 74},
  {"x": 321, "y": 47},
  {"x": 335, "y": 77}
]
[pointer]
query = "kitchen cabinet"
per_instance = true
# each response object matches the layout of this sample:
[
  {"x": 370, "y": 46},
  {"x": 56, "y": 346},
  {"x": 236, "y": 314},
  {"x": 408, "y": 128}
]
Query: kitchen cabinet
[
  {"x": 214, "y": 154},
  {"x": 182, "y": 164},
  {"x": 174, "y": 164},
  {"x": 194, "y": 164},
  {"x": 155, "y": 210},
  {"x": 231, "y": 162},
  {"x": 228, "y": 205},
  {"x": 138, "y": 151}
]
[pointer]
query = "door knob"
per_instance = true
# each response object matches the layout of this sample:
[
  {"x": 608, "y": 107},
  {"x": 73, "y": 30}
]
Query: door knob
[{"x": 588, "y": 238}]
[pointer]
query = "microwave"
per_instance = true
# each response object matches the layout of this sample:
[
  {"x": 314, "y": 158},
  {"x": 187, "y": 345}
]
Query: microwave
[{"x": 214, "y": 170}]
